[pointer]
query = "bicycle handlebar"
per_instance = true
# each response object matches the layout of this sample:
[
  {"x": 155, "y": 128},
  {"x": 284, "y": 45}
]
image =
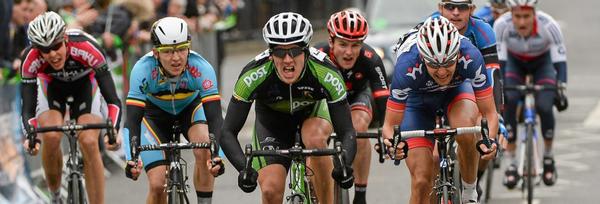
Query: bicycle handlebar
[
  {"x": 440, "y": 132},
  {"x": 71, "y": 127},
  {"x": 173, "y": 146}
]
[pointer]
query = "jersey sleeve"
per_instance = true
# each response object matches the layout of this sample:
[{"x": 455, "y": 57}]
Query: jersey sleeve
[
  {"x": 501, "y": 31},
  {"x": 400, "y": 87},
  {"x": 251, "y": 77},
  {"x": 558, "y": 51},
  {"x": 138, "y": 81},
  {"x": 474, "y": 69},
  {"x": 205, "y": 76},
  {"x": 376, "y": 75}
]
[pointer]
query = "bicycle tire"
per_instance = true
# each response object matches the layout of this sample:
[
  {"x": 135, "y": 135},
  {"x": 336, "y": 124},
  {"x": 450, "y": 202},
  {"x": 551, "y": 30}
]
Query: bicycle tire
[
  {"x": 75, "y": 190},
  {"x": 529, "y": 163},
  {"x": 341, "y": 196},
  {"x": 455, "y": 194},
  {"x": 175, "y": 195},
  {"x": 489, "y": 179}
]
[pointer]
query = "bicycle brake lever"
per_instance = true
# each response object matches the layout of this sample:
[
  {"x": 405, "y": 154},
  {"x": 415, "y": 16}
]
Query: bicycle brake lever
[
  {"x": 382, "y": 148},
  {"x": 395, "y": 141}
]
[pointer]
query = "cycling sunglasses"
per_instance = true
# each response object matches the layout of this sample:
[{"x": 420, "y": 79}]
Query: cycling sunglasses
[
  {"x": 51, "y": 48},
  {"x": 451, "y": 6},
  {"x": 293, "y": 52},
  {"x": 173, "y": 48},
  {"x": 435, "y": 65}
]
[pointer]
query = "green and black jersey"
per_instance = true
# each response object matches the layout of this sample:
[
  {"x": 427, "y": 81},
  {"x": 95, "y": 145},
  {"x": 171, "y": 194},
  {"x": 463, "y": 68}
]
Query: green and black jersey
[
  {"x": 319, "y": 80},
  {"x": 259, "y": 82}
]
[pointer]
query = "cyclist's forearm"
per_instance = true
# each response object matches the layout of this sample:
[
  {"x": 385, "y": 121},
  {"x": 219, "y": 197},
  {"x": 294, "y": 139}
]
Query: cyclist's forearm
[
  {"x": 488, "y": 110},
  {"x": 342, "y": 124},
  {"x": 214, "y": 117},
  {"x": 135, "y": 113},
  {"x": 29, "y": 99},
  {"x": 561, "y": 71},
  {"x": 109, "y": 92},
  {"x": 381, "y": 106},
  {"x": 237, "y": 112}
]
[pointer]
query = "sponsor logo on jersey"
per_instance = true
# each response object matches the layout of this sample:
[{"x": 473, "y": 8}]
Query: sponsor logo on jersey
[
  {"x": 154, "y": 74},
  {"x": 253, "y": 76},
  {"x": 85, "y": 55},
  {"x": 305, "y": 88},
  {"x": 368, "y": 54},
  {"x": 400, "y": 94},
  {"x": 335, "y": 82},
  {"x": 194, "y": 72},
  {"x": 207, "y": 84},
  {"x": 381, "y": 76},
  {"x": 466, "y": 60},
  {"x": 412, "y": 71},
  {"x": 296, "y": 104},
  {"x": 35, "y": 65},
  {"x": 479, "y": 79},
  {"x": 358, "y": 75}
]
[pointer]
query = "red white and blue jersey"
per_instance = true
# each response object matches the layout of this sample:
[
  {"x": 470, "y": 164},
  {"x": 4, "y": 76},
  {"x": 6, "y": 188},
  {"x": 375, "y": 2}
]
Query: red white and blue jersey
[{"x": 411, "y": 76}]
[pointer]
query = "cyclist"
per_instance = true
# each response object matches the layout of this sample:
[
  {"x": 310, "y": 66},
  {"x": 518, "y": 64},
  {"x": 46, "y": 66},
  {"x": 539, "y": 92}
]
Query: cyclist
[
  {"x": 530, "y": 42},
  {"x": 481, "y": 34},
  {"x": 454, "y": 79},
  {"x": 492, "y": 11},
  {"x": 57, "y": 61},
  {"x": 169, "y": 85},
  {"x": 364, "y": 76},
  {"x": 296, "y": 88}
]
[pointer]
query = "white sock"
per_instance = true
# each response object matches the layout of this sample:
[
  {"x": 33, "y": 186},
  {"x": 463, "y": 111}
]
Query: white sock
[{"x": 469, "y": 193}]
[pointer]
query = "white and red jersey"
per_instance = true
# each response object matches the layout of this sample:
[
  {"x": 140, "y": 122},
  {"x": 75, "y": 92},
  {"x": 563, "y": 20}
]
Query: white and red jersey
[{"x": 545, "y": 37}]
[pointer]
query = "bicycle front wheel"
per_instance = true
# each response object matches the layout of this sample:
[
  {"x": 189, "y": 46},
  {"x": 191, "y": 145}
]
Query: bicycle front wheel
[
  {"x": 76, "y": 190},
  {"x": 488, "y": 181},
  {"x": 175, "y": 196},
  {"x": 529, "y": 167}
]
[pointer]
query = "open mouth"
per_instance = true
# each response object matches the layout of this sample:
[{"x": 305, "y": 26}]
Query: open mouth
[{"x": 288, "y": 72}]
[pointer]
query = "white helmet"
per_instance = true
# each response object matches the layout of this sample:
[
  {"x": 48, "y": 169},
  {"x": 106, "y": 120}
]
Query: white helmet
[
  {"x": 521, "y": 3},
  {"x": 46, "y": 29},
  {"x": 438, "y": 40},
  {"x": 169, "y": 31},
  {"x": 287, "y": 28}
]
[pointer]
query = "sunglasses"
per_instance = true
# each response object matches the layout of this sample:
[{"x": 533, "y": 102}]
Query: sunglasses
[
  {"x": 451, "y": 6},
  {"x": 170, "y": 49},
  {"x": 435, "y": 65},
  {"x": 293, "y": 52},
  {"x": 51, "y": 48}
]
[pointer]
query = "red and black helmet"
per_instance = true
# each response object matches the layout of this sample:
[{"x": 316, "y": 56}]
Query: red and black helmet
[{"x": 348, "y": 25}]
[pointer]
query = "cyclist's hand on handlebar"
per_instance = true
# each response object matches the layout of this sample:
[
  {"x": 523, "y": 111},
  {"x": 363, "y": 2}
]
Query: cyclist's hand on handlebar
[
  {"x": 133, "y": 170},
  {"x": 113, "y": 147},
  {"x": 33, "y": 151},
  {"x": 488, "y": 153},
  {"x": 338, "y": 175},
  {"x": 215, "y": 166},
  {"x": 247, "y": 180},
  {"x": 401, "y": 149}
]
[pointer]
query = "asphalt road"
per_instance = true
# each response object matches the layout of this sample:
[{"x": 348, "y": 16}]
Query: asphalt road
[{"x": 576, "y": 143}]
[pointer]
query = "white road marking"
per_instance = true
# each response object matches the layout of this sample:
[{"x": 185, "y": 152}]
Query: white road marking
[{"x": 593, "y": 119}]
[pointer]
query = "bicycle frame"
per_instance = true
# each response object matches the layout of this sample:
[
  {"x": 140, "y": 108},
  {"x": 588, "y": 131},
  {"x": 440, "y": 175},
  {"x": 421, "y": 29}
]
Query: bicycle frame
[
  {"x": 176, "y": 176},
  {"x": 75, "y": 184},
  {"x": 445, "y": 186},
  {"x": 300, "y": 185},
  {"x": 529, "y": 166}
]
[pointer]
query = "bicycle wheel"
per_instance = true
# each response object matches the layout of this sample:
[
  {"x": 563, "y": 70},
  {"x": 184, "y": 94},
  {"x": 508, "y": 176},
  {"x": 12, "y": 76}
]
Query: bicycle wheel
[
  {"x": 529, "y": 166},
  {"x": 455, "y": 193},
  {"x": 75, "y": 190},
  {"x": 341, "y": 196},
  {"x": 175, "y": 194},
  {"x": 489, "y": 179}
]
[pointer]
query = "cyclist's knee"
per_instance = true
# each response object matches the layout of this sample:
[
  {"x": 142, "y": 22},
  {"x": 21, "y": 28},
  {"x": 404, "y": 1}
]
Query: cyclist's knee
[
  {"x": 421, "y": 184},
  {"x": 88, "y": 141},
  {"x": 361, "y": 120},
  {"x": 316, "y": 133},
  {"x": 51, "y": 140}
]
